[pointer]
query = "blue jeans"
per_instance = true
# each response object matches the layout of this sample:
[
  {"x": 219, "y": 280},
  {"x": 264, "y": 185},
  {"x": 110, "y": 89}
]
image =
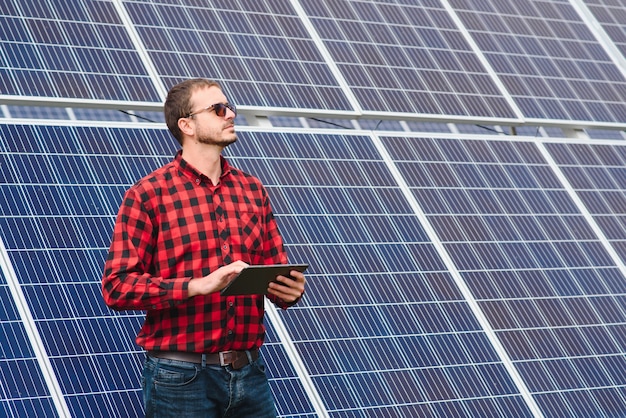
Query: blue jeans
[{"x": 180, "y": 389}]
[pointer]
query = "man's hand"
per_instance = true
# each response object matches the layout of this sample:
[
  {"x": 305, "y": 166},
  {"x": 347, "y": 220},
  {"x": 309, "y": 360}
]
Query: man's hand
[
  {"x": 216, "y": 280},
  {"x": 288, "y": 289}
]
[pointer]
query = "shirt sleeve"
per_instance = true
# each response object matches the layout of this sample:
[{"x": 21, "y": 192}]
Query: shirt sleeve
[{"x": 127, "y": 282}]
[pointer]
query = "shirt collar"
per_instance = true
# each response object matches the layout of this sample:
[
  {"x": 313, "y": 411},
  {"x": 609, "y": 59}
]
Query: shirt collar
[{"x": 191, "y": 172}]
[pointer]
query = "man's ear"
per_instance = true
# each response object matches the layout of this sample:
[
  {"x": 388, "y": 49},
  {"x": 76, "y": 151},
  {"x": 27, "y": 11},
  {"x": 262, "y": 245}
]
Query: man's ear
[{"x": 185, "y": 126}]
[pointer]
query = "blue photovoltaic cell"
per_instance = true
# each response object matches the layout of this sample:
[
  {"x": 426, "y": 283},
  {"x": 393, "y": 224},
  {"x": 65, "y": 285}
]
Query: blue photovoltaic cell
[
  {"x": 546, "y": 284},
  {"x": 407, "y": 58},
  {"x": 382, "y": 330},
  {"x": 547, "y": 58},
  {"x": 260, "y": 51},
  {"x": 68, "y": 187},
  {"x": 56, "y": 221},
  {"x": 611, "y": 15},
  {"x": 598, "y": 174},
  {"x": 75, "y": 50},
  {"x": 24, "y": 391}
]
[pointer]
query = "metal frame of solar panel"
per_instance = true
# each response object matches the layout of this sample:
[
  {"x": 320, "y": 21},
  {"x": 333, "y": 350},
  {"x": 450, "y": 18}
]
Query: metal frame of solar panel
[{"x": 451, "y": 275}]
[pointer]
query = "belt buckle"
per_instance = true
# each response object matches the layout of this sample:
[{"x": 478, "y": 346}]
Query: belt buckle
[{"x": 222, "y": 359}]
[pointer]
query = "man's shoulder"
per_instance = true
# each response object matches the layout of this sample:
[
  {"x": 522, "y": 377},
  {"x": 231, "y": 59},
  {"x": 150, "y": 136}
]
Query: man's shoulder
[
  {"x": 244, "y": 178},
  {"x": 155, "y": 179},
  {"x": 237, "y": 172}
]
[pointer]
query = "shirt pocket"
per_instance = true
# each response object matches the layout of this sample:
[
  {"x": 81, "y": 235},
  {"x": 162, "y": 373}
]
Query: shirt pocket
[{"x": 250, "y": 230}]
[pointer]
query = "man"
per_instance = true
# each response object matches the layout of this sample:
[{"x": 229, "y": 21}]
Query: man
[{"x": 181, "y": 235}]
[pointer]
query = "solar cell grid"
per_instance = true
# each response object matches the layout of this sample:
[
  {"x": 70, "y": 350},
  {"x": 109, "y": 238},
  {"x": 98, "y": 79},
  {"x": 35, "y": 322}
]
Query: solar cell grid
[
  {"x": 405, "y": 58},
  {"x": 596, "y": 172},
  {"x": 24, "y": 391},
  {"x": 82, "y": 51},
  {"x": 259, "y": 51},
  {"x": 610, "y": 14},
  {"x": 368, "y": 312},
  {"x": 384, "y": 319},
  {"x": 542, "y": 282},
  {"x": 547, "y": 58}
]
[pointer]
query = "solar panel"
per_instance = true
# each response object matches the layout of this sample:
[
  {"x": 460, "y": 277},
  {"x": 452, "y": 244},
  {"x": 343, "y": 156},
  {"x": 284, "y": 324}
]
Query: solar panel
[
  {"x": 548, "y": 59},
  {"x": 597, "y": 173},
  {"x": 78, "y": 50},
  {"x": 463, "y": 272},
  {"x": 406, "y": 58},
  {"x": 409, "y": 59},
  {"x": 70, "y": 198},
  {"x": 383, "y": 330},
  {"x": 24, "y": 390},
  {"x": 611, "y": 15},
  {"x": 260, "y": 51},
  {"x": 547, "y": 284},
  {"x": 386, "y": 327}
]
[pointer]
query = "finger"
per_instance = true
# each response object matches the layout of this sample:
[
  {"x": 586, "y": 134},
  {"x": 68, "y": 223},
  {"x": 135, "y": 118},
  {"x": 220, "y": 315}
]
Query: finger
[{"x": 287, "y": 296}]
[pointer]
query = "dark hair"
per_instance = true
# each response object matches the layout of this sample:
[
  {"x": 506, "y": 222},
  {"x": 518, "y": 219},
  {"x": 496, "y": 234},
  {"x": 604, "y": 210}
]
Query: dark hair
[{"x": 177, "y": 102}]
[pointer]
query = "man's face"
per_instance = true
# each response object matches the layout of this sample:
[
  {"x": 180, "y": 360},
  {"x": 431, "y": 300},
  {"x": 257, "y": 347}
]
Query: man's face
[{"x": 210, "y": 128}]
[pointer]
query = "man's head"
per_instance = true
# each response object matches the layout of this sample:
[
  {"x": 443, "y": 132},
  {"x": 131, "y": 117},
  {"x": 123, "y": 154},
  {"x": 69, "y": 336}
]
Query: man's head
[{"x": 198, "y": 108}]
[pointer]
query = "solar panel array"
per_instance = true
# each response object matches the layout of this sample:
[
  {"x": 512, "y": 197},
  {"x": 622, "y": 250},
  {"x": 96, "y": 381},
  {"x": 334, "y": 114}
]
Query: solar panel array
[
  {"x": 546, "y": 283},
  {"x": 504, "y": 61},
  {"x": 406, "y": 58},
  {"x": 452, "y": 274}
]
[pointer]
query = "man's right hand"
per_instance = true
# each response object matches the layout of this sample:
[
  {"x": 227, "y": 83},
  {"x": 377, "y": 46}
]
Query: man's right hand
[{"x": 216, "y": 280}]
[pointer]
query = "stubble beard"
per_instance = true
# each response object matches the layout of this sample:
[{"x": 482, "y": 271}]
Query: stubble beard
[{"x": 224, "y": 140}]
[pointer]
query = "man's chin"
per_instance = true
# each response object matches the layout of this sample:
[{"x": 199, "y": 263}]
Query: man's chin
[
  {"x": 224, "y": 142},
  {"x": 230, "y": 140}
]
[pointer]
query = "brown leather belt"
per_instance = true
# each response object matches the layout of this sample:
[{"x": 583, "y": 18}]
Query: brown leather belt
[{"x": 234, "y": 359}]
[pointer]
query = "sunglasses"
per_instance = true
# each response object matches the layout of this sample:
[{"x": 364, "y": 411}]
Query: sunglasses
[{"x": 220, "y": 109}]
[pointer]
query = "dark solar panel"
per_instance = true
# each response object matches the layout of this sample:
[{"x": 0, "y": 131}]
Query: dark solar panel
[
  {"x": 598, "y": 174},
  {"x": 387, "y": 326},
  {"x": 260, "y": 52},
  {"x": 383, "y": 328},
  {"x": 548, "y": 286},
  {"x": 55, "y": 222},
  {"x": 382, "y": 311},
  {"x": 406, "y": 58},
  {"x": 611, "y": 15},
  {"x": 81, "y": 51},
  {"x": 548, "y": 59},
  {"x": 453, "y": 275},
  {"x": 403, "y": 59},
  {"x": 25, "y": 392}
]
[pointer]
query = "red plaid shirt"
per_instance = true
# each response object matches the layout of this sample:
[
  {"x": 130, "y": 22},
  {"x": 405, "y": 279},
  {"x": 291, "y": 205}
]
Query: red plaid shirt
[{"x": 173, "y": 225}]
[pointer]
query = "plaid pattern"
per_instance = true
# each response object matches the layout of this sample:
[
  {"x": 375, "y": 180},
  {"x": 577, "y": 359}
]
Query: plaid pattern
[{"x": 174, "y": 225}]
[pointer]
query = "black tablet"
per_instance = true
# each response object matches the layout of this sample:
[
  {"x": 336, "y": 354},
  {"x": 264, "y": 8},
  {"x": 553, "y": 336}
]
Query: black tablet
[{"x": 254, "y": 280}]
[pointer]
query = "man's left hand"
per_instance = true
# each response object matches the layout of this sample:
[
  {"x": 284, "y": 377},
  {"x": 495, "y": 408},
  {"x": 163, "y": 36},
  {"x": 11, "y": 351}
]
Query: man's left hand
[{"x": 290, "y": 288}]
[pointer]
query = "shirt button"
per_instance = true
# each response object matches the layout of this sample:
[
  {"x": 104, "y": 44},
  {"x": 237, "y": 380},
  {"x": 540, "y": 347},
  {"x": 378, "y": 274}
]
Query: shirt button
[
  {"x": 197, "y": 181},
  {"x": 224, "y": 247}
]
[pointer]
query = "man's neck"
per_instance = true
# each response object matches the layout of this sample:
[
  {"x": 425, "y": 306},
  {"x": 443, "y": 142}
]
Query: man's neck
[{"x": 206, "y": 160}]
